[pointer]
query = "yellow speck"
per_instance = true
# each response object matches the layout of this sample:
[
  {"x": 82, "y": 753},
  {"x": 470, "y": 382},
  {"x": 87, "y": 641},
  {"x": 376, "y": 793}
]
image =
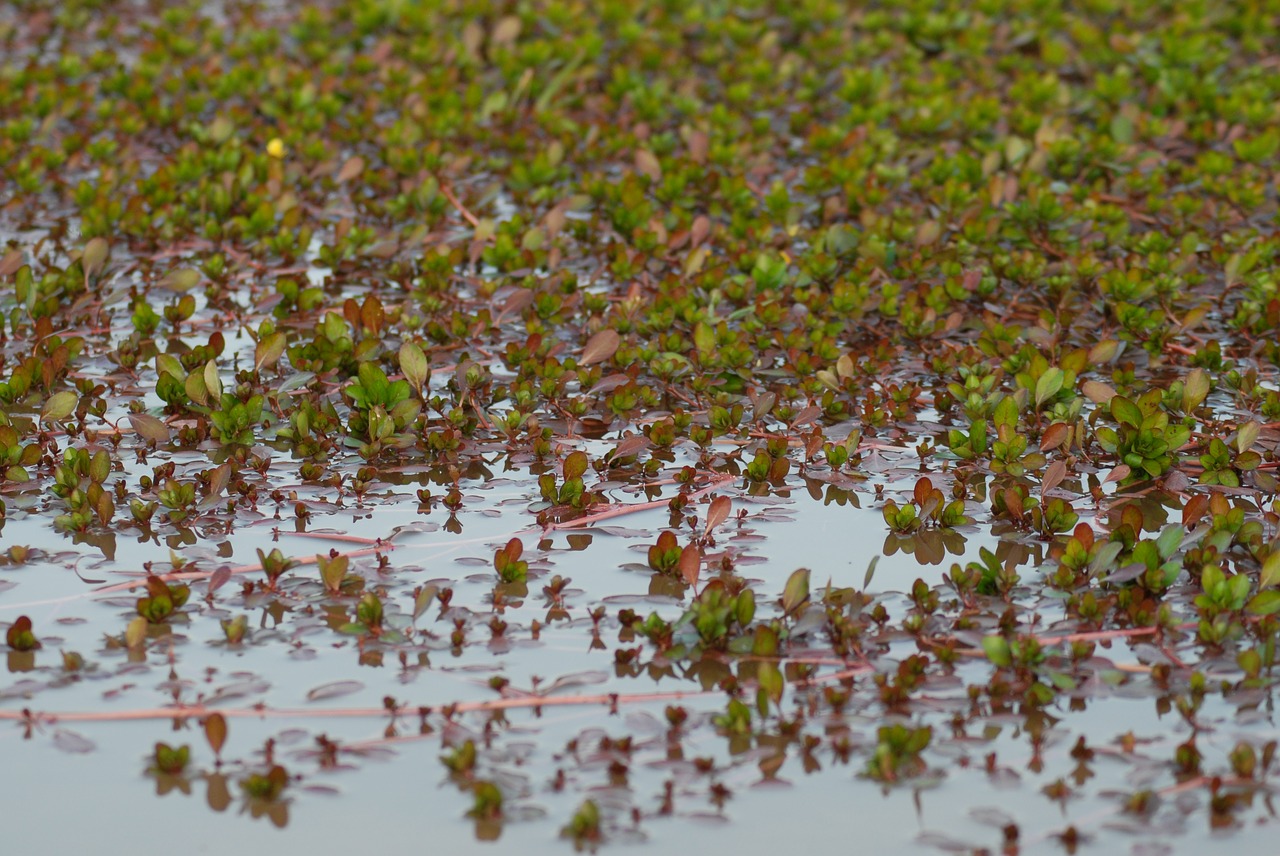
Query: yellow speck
[{"x": 275, "y": 148}]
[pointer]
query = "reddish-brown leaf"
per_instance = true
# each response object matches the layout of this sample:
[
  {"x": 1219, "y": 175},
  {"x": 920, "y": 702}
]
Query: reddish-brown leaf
[
  {"x": 11, "y": 262},
  {"x": 1097, "y": 391},
  {"x": 718, "y": 512},
  {"x": 924, "y": 487},
  {"x": 149, "y": 427},
  {"x": 600, "y": 347},
  {"x": 1118, "y": 473},
  {"x": 1053, "y": 476},
  {"x": 1054, "y": 436},
  {"x": 807, "y": 415},
  {"x": 690, "y": 564},
  {"x": 1194, "y": 509},
  {"x": 351, "y": 169},
  {"x": 215, "y": 731},
  {"x": 631, "y": 445}
]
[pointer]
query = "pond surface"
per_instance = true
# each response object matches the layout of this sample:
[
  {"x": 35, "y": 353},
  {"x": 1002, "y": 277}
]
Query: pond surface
[{"x": 563, "y": 426}]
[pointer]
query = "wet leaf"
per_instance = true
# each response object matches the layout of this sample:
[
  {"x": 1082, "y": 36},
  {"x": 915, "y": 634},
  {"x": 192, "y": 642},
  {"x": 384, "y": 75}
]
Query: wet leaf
[
  {"x": 70, "y": 741},
  {"x": 149, "y": 428},
  {"x": 333, "y": 689},
  {"x": 589, "y": 678},
  {"x": 220, "y": 577},
  {"x": 1048, "y": 385},
  {"x": 1264, "y": 603},
  {"x": 414, "y": 366},
  {"x": 59, "y": 406},
  {"x": 1118, "y": 473},
  {"x": 1097, "y": 392},
  {"x": 647, "y": 164},
  {"x": 215, "y": 731},
  {"x": 575, "y": 465},
  {"x": 997, "y": 651},
  {"x": 1195, "y": 389},
  {"x": 182, "y": 280},
  {"x": 351, "y": 168},
  {"x": 690, "y": 564},
  {"x": 136, "y": 633},
  {"x": 268, "y": 351},
  {"x": 1125, "y": 411},
  {"x": 12, "y": 260},
  {"x": 1126, "y": 574},
  {"x": 219, "y": 478},
  {"x": 94, "y": 258},
  {"x": 422, "y": 599},
  {"x": 718, "y": 512},
  {"x": 796, "y": 592},
  {"x": 1054, "y": 436},
  {"x": 212, "y": 382},
  {"x": 1247, "y": 435},
  {"x": 1270, "y": 574},
  {"x": 1053, "y": 476},
  {"x": 600, "y": 347}
]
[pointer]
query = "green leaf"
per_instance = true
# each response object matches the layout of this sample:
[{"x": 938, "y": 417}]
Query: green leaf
[
  {"x": 1104, "y": 352},
  {"x": 1247, "y": 436},
  {"x": 1270, "y": 570},
  {"x": 704, "y": 338},
  {"x": 1195, "y": 389},
  {"x": 59, "y": 406},
  {"x": 196, "y": 389},
  {"x": 1247, "y": 461},
  {"x": 94, "y": 257},
  {"x": 1063, "y": 681},
  {"x": 422, "y": 599},
  {"x": 169, "y": 364},
  {"x": 1212, "y": 577},
  {"x": 212, "y": 383},
  {"x": 1121, "y": 129},
  {"x": 1006, "y": 412},
  {"x": 183, "y": 279},
  {"x": 1264, "y": 603},
  {"x": 1125, "y": 411},
  {"x": 796, "y": 592},
  {"x": 1169, "y": 541},
  {"x": 1048, "y": 385},
  {"x": 997, "y": 650},
  {"x": 575, "y": 465},
  {"x": 332, "y": 570},
  {"x": 770, "y": 679},
  {"x": 269, "y": 351},
  {"x": 135, "y": 633},
  {"x": 414, "y": 366},
  {"x": 871, "y": 571}
]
